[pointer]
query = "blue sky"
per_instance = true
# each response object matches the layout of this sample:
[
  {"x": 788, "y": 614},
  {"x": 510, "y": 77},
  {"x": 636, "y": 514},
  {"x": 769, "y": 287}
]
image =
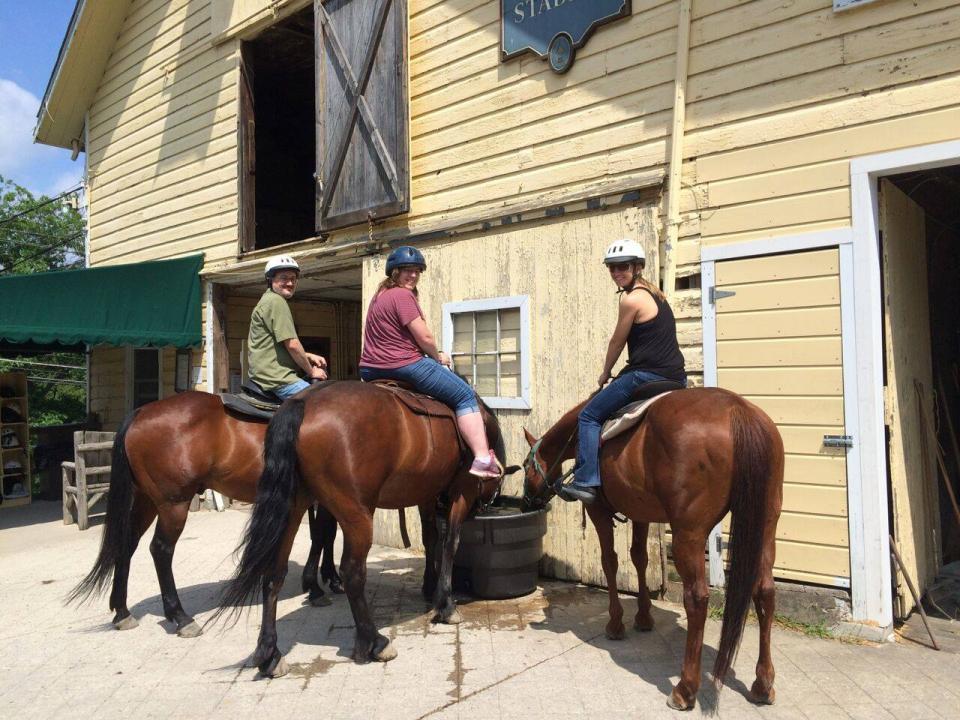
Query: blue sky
[{"x": 30, "y": 35}]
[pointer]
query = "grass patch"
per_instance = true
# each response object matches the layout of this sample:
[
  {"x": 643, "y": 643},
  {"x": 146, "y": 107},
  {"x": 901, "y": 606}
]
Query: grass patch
[{"x": 819, "y": 630}]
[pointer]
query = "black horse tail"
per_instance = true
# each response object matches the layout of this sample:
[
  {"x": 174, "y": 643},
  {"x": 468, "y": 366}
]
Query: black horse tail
[
  {"x": 118, "y": 526},
  {"x": 276, "y": 492},
  {"x": 752, "y": 470}
]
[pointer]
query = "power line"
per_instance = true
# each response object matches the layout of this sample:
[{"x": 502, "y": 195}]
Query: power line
[
  {"x": 40, "y": 253},
  {"x": 30, "y": 362},
  {"x": 4, "y": 221}
]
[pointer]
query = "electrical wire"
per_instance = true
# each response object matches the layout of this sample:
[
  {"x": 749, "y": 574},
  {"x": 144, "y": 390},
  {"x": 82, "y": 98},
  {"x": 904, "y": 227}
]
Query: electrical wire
[{"x": 4, "y": 221}]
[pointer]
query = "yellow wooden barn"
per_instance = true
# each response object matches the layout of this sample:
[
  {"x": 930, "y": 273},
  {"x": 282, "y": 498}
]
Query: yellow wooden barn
[{"x": 791, "y": 166}]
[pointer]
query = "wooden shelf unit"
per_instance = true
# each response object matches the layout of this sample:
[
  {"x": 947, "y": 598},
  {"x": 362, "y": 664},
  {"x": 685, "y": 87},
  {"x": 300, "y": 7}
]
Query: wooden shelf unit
[{"x": 15, "y": 471}]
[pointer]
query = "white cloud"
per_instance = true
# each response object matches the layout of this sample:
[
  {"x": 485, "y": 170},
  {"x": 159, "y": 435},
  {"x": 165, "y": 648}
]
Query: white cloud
[{"x": 40, "y": 168}]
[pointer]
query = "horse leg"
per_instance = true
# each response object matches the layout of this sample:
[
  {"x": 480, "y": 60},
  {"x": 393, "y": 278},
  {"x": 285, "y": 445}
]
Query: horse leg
[
  {"x": 430, "y": 537},
  {"x": 169, "y": 526},
  {"x": 762, "y": 691},
  {"x": 689, "y": 558},
  {"x": 328, "y": 536},
  {"x": 443, "y": 603},
  {"x": 602, "y": 520},
  {"x": 267, "y": 656},
  {"x": 357, "y": 539},
  {"x": 638, "y": 553},
  {"x": 143, "y": 513},
  {"x": 308, "y": 581}
]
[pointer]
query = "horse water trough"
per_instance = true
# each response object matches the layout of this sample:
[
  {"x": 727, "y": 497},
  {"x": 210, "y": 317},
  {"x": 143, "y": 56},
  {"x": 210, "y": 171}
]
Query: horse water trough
[{"x": 500, "y": 551}]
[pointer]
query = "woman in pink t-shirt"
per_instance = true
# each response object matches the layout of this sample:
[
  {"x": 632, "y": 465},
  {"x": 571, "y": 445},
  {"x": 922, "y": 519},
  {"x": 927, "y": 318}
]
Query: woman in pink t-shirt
[{"x": 396, "y": 340}]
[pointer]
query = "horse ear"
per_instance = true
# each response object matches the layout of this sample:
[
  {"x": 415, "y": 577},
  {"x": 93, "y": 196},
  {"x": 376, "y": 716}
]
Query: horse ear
[
  {"x": 530, "y": 438},
  {"x": 510, "y": 469}
]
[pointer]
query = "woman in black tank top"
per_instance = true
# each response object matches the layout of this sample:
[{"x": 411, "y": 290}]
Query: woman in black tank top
[{"x": 646, "y": 326}]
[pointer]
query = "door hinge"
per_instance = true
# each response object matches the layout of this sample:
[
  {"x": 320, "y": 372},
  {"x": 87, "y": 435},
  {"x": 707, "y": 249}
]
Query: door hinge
[
  {"x": 838, "y": 441},
  {"x": 719, "y": 294}
]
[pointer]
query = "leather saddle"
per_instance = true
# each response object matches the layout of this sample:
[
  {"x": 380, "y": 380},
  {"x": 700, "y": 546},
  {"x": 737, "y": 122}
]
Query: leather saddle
[
  {"x": 252, "y": 401},
  {"x": 417, "y": 402}
]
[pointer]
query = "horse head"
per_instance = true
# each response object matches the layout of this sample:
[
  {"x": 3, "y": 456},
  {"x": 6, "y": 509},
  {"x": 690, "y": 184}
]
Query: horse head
[{"x": 537, "y": 488}]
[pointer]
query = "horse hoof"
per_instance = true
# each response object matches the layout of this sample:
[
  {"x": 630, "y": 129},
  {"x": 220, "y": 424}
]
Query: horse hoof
[
  {"x": 336, "y": 587},
  {"x": 453, "y": 618},
  {"x": 279, "y": 670},
  {"x": 677, "y": 702},
  {"x": 320, "y": 601},
  {"x": 643, "y": 625},
  {"x": 190, "y": 630},
  {"x": 760, "y": 698},
  {"x": 388, "y": 653},
  {"x": 127, "y": 623},
  {"x": 617, "y": 633}
]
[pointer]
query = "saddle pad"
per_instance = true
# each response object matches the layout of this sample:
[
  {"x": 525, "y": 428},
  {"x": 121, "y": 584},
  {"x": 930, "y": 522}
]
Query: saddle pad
[
  {"x": 243, "y": 405},
  {"x": 629, "y": 416},
  {"x": 418, "y": 403}
]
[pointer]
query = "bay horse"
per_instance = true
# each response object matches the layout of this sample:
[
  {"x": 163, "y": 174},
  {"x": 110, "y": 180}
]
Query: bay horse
[
  {"x": 163, "y": 454},
  {"x": 697, "y": 454},
  {"x": 355, "y": 447}
]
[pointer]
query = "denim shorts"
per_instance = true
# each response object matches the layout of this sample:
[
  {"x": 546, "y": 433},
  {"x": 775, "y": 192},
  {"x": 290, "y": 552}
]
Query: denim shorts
[
  {"x": 285, "y": 391},
  {"x": 431, "y": 378}
]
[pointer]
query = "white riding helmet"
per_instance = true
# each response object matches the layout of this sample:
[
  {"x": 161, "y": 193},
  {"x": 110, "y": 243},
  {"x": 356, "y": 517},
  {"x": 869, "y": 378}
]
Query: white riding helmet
[
  {"x": 625, "y": 250},
  {"x": 280, "y": 262}
]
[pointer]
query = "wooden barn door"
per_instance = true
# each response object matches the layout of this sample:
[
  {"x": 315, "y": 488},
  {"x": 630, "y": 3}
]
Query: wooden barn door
[
  {"x": 362, "y": 146},
  {"x": 908, "y": 370},
  {"x": 247, "y": 147},
  {"x": 778, "y": 343}
]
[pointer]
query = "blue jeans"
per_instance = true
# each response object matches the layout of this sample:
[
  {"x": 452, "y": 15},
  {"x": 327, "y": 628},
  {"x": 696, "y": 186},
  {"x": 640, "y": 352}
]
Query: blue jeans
[
  {"x": 433, "y": 379},
  {"x": 285, "y": 391},
  {"x": 605, "y": 403}
]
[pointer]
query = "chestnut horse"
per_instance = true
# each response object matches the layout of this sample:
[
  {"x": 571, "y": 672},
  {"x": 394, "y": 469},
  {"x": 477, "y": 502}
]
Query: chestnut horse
[
  {"x": 697, "y": 454},
  {"x": 355, "y": 447},
  {"x": 165, "y": 453}
]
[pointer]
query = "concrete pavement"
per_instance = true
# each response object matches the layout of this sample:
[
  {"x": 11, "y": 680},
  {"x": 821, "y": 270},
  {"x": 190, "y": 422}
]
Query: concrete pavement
[{"x": 541, "y": 656}]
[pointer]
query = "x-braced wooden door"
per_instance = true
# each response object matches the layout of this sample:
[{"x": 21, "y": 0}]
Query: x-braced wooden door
[{"x": 362, "y": 144}]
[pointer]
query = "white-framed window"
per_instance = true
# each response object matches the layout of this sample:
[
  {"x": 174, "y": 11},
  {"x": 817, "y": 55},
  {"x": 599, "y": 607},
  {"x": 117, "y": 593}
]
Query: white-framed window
[
  {"x": 489, "y": 342},
  {"x": 144, "y": 372}
]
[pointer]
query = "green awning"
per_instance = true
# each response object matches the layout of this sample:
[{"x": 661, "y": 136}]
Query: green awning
[{"x": 150, "y": 303}]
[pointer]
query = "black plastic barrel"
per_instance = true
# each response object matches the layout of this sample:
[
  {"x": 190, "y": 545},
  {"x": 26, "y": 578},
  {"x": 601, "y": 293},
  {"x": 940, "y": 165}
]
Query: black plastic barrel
[{"x": 500, "y": 550}]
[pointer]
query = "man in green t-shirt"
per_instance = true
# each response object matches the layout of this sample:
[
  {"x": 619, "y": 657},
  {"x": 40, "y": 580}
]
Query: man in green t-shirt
[{"x": 277, "y": 361}]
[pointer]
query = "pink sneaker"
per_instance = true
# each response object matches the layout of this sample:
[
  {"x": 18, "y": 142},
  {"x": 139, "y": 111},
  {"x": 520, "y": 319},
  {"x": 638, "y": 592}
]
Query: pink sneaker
[{"x": 485, "y": 468}]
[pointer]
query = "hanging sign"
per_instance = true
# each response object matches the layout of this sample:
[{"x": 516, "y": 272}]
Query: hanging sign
[{"x": 554, "y": 29}]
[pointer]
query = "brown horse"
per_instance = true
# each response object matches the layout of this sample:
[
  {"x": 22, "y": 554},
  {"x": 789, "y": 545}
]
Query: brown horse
[
  {"x": 165, "y": 453},
  {"x": 698, "y": 454},
  {"x": 355, "y": 447}
]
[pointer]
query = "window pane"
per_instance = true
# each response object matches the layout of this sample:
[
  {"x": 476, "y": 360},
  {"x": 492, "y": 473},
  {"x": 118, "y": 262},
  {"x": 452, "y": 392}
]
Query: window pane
[
  {"x": 487, "y": 331},
  {"x": 510, "y": 376},
  {"x": 510, "y": 330},
  {"x": 487, "y": 375},
  {"x": 463, "y": 365},
  {"x": 462, "y": 332}
]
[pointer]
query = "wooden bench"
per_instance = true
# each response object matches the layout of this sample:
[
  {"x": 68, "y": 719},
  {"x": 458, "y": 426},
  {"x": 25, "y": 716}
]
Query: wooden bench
[{"x": 86, "y": 480}]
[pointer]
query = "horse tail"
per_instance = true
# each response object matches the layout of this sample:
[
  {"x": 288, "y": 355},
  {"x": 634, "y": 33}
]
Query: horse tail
[
  {"x": 276, "y": 491},
  {"x": 118, "y": 526},
  {"x": 752, "y": 470}
]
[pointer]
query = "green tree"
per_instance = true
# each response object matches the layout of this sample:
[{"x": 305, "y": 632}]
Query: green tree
[{"x": 38, "y": 234}]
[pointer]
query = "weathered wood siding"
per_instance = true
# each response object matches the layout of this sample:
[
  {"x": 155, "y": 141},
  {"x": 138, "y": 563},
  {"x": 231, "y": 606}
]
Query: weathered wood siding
[
  {"x": 782, "y": 95},
  {"x": 162, "y": 135},
  {"x": 573, "y": 308}
]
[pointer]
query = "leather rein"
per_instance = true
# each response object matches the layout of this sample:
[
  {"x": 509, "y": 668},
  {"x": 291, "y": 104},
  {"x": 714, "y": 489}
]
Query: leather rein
[{"x": 547, "y": 489}]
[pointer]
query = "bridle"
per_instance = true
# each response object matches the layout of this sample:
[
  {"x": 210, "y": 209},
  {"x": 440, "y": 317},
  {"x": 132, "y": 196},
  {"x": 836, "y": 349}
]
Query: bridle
[{"x": 547, "y": 489}]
